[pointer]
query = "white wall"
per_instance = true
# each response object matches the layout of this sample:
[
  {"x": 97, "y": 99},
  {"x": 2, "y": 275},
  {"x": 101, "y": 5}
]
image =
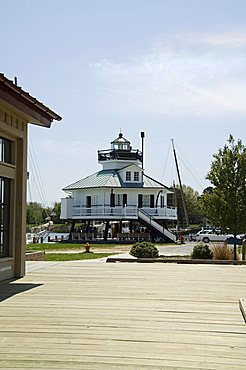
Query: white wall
[{"x": 102, "y": 196}]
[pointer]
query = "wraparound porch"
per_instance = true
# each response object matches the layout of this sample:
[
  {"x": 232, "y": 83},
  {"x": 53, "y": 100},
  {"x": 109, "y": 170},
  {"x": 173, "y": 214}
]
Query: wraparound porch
[{"x": 100, "y": 212}]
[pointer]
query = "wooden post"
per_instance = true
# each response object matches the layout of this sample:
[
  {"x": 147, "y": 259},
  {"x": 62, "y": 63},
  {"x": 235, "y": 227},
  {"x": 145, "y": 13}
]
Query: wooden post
[
  {"x": 235, "y": 247},
  {"x": 130, "y": 226},
  {"x": 20, "y": 196},
  {"x": 105, "y": 236},
  {"x": 243, "y": 250},
  {"x": 71, "y": 229}
]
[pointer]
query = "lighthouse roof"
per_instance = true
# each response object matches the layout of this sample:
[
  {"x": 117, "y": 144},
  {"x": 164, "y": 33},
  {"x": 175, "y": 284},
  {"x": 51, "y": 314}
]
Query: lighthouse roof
[
  {"x": 108, "y": 178},
  {"x": 111, "y": 178},
  {"x": 120, "y": 139}
]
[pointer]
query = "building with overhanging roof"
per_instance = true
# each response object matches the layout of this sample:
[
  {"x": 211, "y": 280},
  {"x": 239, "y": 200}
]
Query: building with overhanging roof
[
  {"x": 17, "y": 109},
  {"x": 121, "y": 191}
]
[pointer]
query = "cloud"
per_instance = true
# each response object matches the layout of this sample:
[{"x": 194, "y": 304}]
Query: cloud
[
  {"x": 234, "y": 39},
  {"x": 177, "y": 78}
]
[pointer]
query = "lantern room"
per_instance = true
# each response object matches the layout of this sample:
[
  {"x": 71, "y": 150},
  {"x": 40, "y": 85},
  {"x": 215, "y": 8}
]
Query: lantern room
[{"x": 120, "y": 154}]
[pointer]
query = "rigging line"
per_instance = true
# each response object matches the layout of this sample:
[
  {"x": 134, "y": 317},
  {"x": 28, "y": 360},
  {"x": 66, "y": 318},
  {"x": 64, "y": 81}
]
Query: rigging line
[
  {"x": 165, "y": 165},
  {"x": 39, "y": 178},
  {"x": 39, "y": 187},
  {"x": 192, "y": 168},
  {"x": 200, "y": 185},
  {"x": 29, "y": 190},
  {"x": 37, "y": 172},
  {"x": 35, "y": 176}
]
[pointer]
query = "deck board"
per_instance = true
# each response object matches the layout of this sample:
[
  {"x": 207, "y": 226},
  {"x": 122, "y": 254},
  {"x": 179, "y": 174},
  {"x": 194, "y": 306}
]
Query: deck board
[{"x": 75, "y": 315}]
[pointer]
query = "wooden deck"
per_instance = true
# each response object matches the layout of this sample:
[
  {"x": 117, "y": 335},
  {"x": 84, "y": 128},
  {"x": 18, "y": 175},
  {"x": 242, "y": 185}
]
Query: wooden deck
[{"x": 77, "y": 315}]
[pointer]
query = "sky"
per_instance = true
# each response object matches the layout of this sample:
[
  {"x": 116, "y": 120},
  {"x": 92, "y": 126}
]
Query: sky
[{"x": 175, "y": 69}]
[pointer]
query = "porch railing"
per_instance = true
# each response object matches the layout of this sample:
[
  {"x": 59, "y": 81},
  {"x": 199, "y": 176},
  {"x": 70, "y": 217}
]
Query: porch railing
[{"x": 122, "y": 212}]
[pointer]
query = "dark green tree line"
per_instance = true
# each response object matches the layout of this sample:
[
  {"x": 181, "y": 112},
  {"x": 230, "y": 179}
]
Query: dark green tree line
[{"x": 36, "y": 214}]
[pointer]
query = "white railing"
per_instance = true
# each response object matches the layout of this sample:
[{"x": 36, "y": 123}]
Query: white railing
[
  {"x": 70, "y": 210},
  {"x": 169, "y": 212},
  {"x": 105, "y": 211},
  {"x": 122, "y": 212}
]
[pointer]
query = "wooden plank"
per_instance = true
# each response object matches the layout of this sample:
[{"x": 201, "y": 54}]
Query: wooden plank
[{"x": 94, "y": 315}]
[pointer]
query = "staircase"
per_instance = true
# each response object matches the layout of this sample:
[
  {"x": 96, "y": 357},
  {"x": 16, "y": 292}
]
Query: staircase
[{"x": 149, "y": 221}]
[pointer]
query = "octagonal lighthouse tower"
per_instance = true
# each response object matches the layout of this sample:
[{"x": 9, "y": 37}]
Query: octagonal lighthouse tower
[
  {"x": 121, "y": 191},
  {"x": 120, "y": 155}
]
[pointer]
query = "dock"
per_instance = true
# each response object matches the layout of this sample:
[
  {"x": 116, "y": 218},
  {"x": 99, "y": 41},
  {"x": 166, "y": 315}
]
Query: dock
[{"x": 96, "y": 315}]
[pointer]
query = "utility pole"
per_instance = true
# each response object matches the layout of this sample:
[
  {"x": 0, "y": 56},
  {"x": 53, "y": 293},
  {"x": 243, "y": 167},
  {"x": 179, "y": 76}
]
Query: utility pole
[
  {"x": 180, "y": 184},
  {"x": 142, "y": 137}
]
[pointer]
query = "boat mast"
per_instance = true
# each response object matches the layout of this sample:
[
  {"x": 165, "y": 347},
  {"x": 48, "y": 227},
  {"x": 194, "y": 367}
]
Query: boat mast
[{"x": 180, "y": 184}]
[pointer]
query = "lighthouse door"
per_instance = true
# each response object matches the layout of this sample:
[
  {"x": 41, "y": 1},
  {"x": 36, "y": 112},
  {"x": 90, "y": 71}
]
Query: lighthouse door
[
  {"x": 124, "y": 200},
  {"x": 88, "y": 201},
  {"x": 88, "y": 204}
]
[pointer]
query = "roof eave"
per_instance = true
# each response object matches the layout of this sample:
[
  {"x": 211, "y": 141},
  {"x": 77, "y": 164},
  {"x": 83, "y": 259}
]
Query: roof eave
[{"x": 16, "y": 97}]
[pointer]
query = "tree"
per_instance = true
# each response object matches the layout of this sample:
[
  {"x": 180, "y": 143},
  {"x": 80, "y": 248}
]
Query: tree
[
  {"x": 191, "y": 196},
  {"x": 56, "y": 213},
  {"x": 34, "y": 212},
  {"x": 225, "y": 204}
]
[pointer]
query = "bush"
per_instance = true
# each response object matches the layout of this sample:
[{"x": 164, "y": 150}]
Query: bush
[
  {"x": 202, "y": 251},
  {"x": 223, "y": 252},
  {"x": 144, "y": 250}
]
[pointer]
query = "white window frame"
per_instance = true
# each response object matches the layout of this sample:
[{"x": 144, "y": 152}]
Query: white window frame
[
  {"x": 128, "y": 176},
  {"x": 136, "y": 176},
  {"x": 118, "y": 199}
]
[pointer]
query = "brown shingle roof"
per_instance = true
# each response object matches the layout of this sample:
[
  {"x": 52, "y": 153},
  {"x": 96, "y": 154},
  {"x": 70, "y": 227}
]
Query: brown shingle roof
[{"x": 22, "y": 100}]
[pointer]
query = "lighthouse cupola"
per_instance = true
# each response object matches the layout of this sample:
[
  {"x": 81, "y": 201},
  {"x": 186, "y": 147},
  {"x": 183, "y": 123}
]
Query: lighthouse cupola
[
  {"x": 121, "y": 143},
  {"x": 120, "y": 155}
]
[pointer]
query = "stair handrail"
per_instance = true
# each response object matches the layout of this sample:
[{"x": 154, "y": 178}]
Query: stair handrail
[{"x": 152, "y": 218}]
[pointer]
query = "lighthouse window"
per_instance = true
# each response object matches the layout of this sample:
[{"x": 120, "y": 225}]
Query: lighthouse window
[
  {"x": 118, "y": 199},
  {"x": 128, "y": 176},
  {"x": 146, "y": 201},
  {"x": 162, "y": 201},
  {"x": 136, "y": 176}
]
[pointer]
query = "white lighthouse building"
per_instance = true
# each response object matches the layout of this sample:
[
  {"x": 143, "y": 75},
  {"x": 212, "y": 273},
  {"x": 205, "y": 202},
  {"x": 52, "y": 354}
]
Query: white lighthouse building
[{"x": 121, "y": 191}]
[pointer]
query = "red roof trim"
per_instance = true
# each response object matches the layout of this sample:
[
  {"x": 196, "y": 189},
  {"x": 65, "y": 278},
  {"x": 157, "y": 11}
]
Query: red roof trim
[{"x": 17, "y": 94}]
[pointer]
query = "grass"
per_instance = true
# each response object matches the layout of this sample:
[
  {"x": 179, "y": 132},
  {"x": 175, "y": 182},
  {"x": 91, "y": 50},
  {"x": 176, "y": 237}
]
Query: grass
[
  {"x": 74, "y": 256},
  {"x": 65, "y": 246}
]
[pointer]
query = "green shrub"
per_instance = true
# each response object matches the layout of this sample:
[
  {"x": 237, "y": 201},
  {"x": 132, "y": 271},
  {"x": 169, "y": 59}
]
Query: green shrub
[
  {"x": 144, "y": 250},
  {"x": 202, "y": 251}
]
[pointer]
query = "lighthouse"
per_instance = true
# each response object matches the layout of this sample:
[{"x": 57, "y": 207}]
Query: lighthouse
[{"x": 121, "y": 191}]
